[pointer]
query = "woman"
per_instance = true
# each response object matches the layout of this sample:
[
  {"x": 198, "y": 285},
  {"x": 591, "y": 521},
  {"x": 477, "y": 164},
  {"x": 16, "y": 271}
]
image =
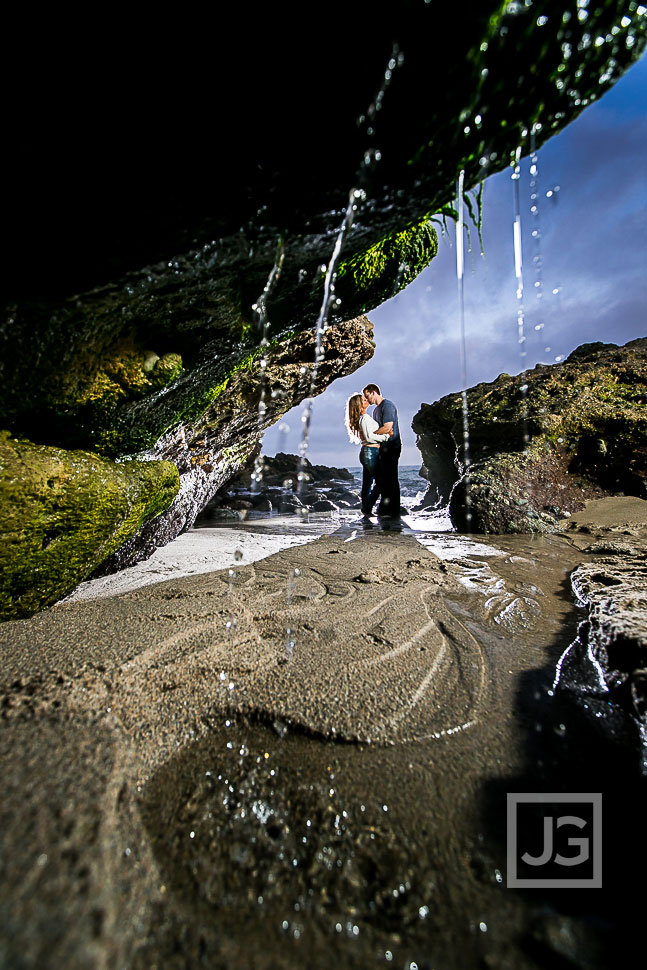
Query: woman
[{"x": 361, "y": 429}]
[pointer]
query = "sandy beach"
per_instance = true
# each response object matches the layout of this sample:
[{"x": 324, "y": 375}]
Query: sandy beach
[{"x": 306, "y": 761}]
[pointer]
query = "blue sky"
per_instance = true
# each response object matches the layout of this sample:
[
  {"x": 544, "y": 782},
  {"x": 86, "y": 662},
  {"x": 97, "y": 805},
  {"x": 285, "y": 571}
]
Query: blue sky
[{"x": 593, "y": 278}]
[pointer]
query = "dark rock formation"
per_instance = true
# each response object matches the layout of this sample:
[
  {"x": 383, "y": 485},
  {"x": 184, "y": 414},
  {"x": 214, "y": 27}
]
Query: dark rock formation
[
  {"x": 285, "y": 484},
  {"x": 278, "y": 469},
  {"x": 604, "y": 672},
  {"x": 541, "y": 442}
]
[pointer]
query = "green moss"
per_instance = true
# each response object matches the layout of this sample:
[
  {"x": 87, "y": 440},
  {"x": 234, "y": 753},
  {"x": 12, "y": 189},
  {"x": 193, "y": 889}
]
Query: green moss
[
  {"x": 137, "y": 427},
  {"x": 126, "y": 375},
  {"x": 167, "y": 369},
  {"x": 242, "y": 330},
  {"x": 379, "y": 272},
  {"x": 63, "y": 513}
]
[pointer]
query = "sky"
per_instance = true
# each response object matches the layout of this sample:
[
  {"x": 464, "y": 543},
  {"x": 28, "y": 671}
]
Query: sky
[{"x": 592, "y": 220}]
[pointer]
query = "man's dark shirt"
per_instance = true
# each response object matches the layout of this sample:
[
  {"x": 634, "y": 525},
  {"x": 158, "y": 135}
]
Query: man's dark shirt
[{"x": 387, "y": 411}]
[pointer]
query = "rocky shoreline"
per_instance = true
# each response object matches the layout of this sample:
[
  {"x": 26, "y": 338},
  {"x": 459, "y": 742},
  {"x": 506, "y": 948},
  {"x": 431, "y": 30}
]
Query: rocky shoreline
[
  {"x": 284, "y": 484},
  {"x": 541, "y": 443}
]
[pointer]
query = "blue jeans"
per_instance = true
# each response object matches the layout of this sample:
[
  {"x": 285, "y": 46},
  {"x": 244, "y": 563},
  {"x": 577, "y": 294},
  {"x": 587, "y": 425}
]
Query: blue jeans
[{"x": 371, "y": 478}]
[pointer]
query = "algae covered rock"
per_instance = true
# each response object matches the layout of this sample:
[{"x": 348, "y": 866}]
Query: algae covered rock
[
  {"x": 222, "y": 427},
  {"x": 63, "y": 513},
  {"x": 542, "y": 441}
]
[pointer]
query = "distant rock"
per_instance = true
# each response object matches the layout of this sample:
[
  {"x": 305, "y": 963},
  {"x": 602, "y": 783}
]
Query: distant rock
[
  {"x": 283, "y": 467},
  {"x": 281, "y": 490},
  {"x": 542, "y": 442}
]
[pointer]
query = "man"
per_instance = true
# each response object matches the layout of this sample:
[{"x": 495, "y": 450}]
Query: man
[{"x": 386, "y": 415}]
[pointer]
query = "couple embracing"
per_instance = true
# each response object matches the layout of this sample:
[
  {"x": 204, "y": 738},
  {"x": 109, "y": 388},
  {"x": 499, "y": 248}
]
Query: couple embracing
[{"x": 379, "y": 436}]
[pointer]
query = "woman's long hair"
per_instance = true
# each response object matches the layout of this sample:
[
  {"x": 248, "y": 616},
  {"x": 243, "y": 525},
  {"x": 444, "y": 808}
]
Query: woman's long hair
[{"x": 354, "y": 410}]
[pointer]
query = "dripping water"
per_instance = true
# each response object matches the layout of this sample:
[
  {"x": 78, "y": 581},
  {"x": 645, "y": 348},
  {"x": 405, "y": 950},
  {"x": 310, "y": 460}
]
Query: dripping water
[
  {"x": 518, "y": 272},
  {"x": 536, "y": 236},
  {"x": 263, "y": 326},
  {"x": 357, "y": 195},
  {"x": 537, "y": 260},
  {"x": 460, "y": 272}
]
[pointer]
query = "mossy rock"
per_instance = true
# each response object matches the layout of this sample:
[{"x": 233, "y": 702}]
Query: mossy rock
[
  {"x": 381, "y": 271},
  {"x": 63, "y": 513},
  {"x": 544, "y": 438}
]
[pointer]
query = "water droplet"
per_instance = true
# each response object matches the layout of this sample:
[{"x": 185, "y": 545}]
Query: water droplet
[
  {"x": 238, "y": 555},
  {"x": 483, "y": 927}
]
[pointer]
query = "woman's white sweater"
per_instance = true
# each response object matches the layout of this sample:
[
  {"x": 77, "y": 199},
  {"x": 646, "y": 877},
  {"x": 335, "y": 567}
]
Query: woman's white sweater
[{"x": 368, "y": 426}]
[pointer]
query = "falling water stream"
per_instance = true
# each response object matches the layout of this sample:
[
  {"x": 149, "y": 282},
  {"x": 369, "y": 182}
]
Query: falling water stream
[
  {"x": 460, "y": 273},
  {"x": 518, "y": 272}
]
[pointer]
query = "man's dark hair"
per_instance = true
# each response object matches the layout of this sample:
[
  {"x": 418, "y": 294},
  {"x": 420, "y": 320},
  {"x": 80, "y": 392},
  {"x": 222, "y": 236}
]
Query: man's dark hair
[{"x": 372, "y": 387}]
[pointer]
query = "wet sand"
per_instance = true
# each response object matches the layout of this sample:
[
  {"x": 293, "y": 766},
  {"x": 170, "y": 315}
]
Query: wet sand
[{"x": 304, "y": 763}]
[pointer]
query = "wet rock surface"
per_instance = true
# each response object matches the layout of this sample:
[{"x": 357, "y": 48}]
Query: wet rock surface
[
  {"x": 68, "y": 515},
  {"x": 212, "y": 448},
  {"x": 541, "y": 443},
  {"x": 607, "y": 663}
]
